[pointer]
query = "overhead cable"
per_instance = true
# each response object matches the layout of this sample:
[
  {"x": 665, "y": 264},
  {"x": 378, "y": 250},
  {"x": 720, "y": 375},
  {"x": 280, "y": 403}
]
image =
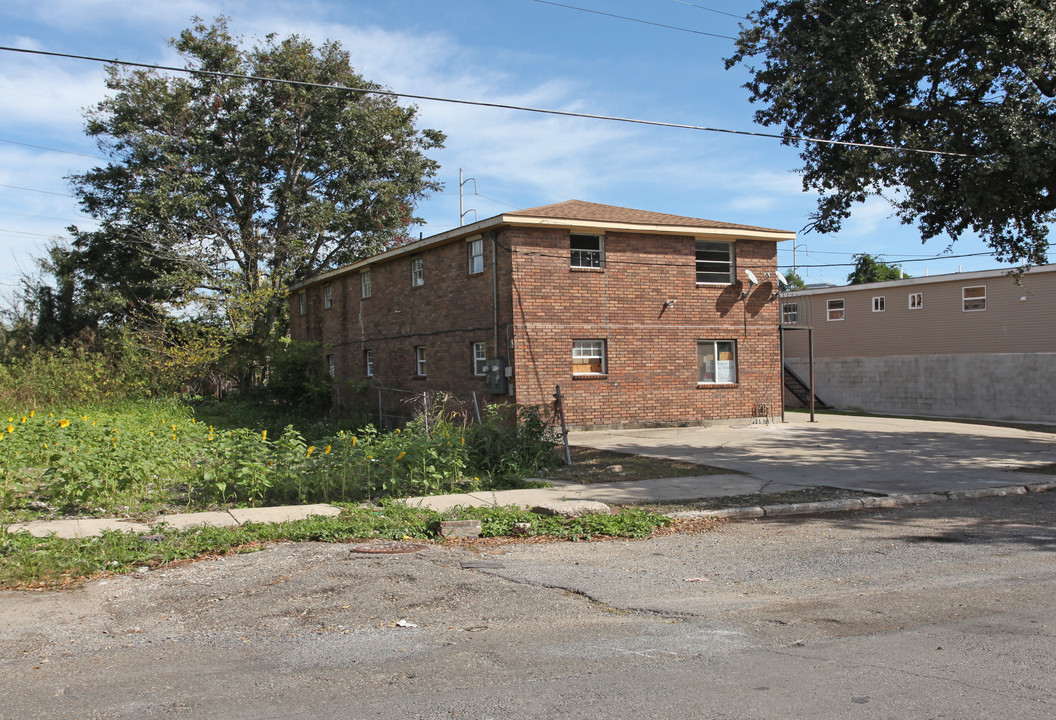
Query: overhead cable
[
  {"x": 637, "y": 20},
  {"x": 480, "y": 103}
]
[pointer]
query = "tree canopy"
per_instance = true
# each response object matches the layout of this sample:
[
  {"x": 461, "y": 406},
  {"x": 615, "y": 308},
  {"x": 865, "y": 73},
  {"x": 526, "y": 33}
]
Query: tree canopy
[
  {"x": 976, "y": 80},
  {"x": 223, "y": 190},
  {"x": 795, "y": 282},
  {"x": 869, "y": 269}
]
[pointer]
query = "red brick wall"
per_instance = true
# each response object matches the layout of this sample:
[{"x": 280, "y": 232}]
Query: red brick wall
[
  {"x": 543, "y": 307},
  {"x": 652, "y": 351}
]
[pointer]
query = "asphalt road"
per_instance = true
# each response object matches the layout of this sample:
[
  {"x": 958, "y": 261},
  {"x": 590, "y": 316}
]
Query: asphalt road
[{"x": 934, "y": 611}]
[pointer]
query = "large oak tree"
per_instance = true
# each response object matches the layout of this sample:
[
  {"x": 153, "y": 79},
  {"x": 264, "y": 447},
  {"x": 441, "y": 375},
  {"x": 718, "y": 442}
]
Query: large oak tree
[
  {"x": 224, "y": 190},
  {"x": 974, "y": 79}
]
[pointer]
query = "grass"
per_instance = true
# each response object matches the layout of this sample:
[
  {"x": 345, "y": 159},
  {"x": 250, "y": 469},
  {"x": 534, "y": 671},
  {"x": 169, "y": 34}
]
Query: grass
[
  {"x": 590, "y": 465},
  {"x": 28, "y": 562}
]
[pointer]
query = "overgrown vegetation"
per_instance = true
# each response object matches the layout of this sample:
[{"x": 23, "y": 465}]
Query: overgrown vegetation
[{"x": 27, "y": 561}]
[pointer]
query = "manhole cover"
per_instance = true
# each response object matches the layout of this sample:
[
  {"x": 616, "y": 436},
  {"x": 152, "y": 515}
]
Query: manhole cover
[{"x": 389, "y": 548}]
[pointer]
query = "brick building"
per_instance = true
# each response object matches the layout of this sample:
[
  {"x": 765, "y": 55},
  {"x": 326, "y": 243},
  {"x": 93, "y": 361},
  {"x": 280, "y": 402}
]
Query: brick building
[{"x": 640, "y": 317}]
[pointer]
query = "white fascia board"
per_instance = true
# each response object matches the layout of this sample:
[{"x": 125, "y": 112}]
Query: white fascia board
[{"x": 691, "y": 230}]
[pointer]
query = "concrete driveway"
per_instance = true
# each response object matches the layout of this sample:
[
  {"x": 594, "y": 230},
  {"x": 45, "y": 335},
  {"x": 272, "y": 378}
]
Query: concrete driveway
[{"x": 875, "y": 454}]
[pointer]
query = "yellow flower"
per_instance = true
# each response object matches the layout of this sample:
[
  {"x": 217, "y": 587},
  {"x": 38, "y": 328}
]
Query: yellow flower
[
  {"x": 397, "y": 431},
  {"x": 24, "y": 419},
  {"x": 174, "y": 436},
  {"x": 400, "y": 456},
  {"x": 174, "y": 428},
  {"x": 463, "y": 441},
  {"x": 84, "y": 418},
  {"x": 64, "y": 423},
  {"x": 310, "y": 451},
  {"x": 10, "y": 428},
  {"x": 353, "y": 441},
  {"x": 327, "y": 451},
  {"x": 264, "y": 435},
  {"x": 32, "y": 413},
  {"x": 10, "y": 419}
]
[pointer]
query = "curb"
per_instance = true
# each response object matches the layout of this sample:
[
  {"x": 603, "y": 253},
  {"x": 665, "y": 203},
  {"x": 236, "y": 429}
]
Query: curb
[{"x": 853, "y": 504}]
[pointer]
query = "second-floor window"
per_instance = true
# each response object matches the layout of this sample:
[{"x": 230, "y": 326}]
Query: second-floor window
[
  {"x": 476, "y": 256},
  {"x": 364, "y": 281},
  {"x": 302, "y": 299},
  {"x": 879, "y": 303},
  {"x": 368, "y": 363},
  {"x": 419, "y": 361},
  {"x": 417, "y": 272},
  {"x": 916, "y": 301},
  {"x": 715, "y": 262},
  {"x": 973, "y": 298},
  {"x": 790, "y": 313},
  {"x": 328, "y": 297},
  {"x": 834, "y": 309},
  {"x": 586, "y": 251}
]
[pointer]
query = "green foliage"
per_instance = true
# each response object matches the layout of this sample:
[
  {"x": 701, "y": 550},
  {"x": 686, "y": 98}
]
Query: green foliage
[
  {"x": 27, "y": 561},
  {"x": 297, "y": 376},
  {"x": 222, "y": 191},
  {"x": 971, "y": 79},
  {"x": 868, "y": 269},
  {"x": 511, "y": 441},
  {"x": 795, "y": 282},
  {"x": 140, "y": 457}
]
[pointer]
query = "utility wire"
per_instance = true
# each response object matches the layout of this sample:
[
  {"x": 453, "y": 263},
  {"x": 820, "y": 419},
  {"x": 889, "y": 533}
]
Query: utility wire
[
  {"x": 637, "y": 20},
  {"x": 720, "y": 12},
  {"x": 45, "y": 192},
  {"x": 42, "y": 147},
  {"x": 479, "y": 103}
]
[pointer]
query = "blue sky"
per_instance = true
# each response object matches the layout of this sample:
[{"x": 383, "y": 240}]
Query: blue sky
[{"x": 520, "y": 52}]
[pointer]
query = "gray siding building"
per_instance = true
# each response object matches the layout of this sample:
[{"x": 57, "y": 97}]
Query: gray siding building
[{"x": 971, "y": 345}]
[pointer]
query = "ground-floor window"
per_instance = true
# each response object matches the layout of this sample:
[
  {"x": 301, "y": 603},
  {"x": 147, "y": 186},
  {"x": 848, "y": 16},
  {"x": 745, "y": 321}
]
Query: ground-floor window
[
  {"x": 368, "y": 363},
  {"x": 480, "y": 358},
  {"x": 331, "y": 366},
  {"x": 419, "y": 361},
  {"x": 716, "y": 361},
  {"x": 588, "y": 357}
]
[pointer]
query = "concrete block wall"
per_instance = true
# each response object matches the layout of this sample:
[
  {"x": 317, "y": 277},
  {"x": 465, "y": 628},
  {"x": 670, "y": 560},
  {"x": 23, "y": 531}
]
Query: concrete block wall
[{"x": 1007, "y": 386}]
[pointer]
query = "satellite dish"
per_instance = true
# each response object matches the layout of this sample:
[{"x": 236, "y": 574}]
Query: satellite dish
[
  {"x": 751, "y": 277},
  {"x": 782, "y": 279}
]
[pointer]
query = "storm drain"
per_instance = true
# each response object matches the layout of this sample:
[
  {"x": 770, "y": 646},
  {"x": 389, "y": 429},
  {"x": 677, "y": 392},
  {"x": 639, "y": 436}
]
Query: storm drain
[{"x": 389, "y": 548}]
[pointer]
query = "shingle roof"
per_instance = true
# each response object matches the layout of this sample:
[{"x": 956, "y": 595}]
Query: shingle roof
[{"x": 587, "y": 211}]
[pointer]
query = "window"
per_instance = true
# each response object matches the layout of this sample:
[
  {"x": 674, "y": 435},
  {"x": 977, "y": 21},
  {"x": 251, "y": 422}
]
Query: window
[
  {"x": 588, "y": 357},
  {"x": 480, "y": 358},
  {"x": 879, "y": 304},
  {"x": 973, "y": 298},
  {"x": 419, "y": 361},
  {"x": 364, "y": 281},
  {"x": 417, "y": 272},
  {"x": 476, "y": 256},
  {"x": 715, "y": 262},
  {"x": 790, "y": 313},
  {"x": 302, "y": 299},
  {"x": 834, "y": 309},
  {"x": 328, "y": 297},
  {"x": 331, "y": 367},
  {"x": 586, "y": 251},
  {"x": 716, "y": 362},
  {"x": 916, "y": 301},
  {"x": 368, "y": 362}
]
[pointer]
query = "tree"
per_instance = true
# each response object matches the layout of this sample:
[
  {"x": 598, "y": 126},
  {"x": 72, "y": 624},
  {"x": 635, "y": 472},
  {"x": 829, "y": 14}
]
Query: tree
[
  {"x": 795, "y": 282},
  {"x": 222, "y": 190},
  {"x": 976, "y": 80},
  {"x": 868, "y": 269}
]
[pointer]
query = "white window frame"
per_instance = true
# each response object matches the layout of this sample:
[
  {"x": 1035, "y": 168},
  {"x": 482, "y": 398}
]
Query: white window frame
[
  {"x": 916, "y": 301},
  {"x": 475, "y": 248},
  {"x": 331, "y": 366},
  {"x": 302, "y": 300},
  {"x": 593, "y": 352},
  {"x": 713, "y": 270},
  {"x": 479, "y": 352},
  {"x": 328, "y": 296},
  {"x": 365, "y": 286},
  {"x": 728, "y": 374},
  {"x": 419, "y": 360},
  {"x": 880, "y": 303},
  {"x": 790, "y": 313},
  {"x": 831, "y": 308},
  {"x": 368, "y": 363},
  {"x": 417, "y": 272},
  {"x": 586, "y": 258},
  {"x": 974, "y": 299}
]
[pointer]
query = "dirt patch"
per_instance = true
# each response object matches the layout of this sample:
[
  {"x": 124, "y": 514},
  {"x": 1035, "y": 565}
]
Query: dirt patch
[{"x": 590, "y": 465}]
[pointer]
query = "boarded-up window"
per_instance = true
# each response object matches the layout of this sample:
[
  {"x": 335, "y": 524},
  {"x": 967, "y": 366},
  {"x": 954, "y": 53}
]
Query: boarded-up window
[
  {"x": 834, "y": 309},
  {"x": 588, "y": 357},
  {"x": 716, "y": 361},
  {"x": 974, "y": 298}
]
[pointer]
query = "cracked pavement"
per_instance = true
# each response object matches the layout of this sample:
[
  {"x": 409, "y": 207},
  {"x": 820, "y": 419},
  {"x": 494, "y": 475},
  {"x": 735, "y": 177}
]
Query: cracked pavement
[{"x": 929, "y": 611}]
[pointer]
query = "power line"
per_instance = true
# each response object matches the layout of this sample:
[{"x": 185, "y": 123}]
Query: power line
[
  {"x": 494, "y": 105},
  {"x": 42, "y": 147},
  {"x": 720, "y": 12},
  {"x": 637, "y": 20},
  {"x": 45, "y": 192}
]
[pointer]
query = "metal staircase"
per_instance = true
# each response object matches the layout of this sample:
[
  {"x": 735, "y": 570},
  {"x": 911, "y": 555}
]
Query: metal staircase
[{"x": 795, "y": 385}]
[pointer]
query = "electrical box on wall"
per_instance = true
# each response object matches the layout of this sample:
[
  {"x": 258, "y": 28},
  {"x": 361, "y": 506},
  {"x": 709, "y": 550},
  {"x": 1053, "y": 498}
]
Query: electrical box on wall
[{"x": 495, "y": 376}]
